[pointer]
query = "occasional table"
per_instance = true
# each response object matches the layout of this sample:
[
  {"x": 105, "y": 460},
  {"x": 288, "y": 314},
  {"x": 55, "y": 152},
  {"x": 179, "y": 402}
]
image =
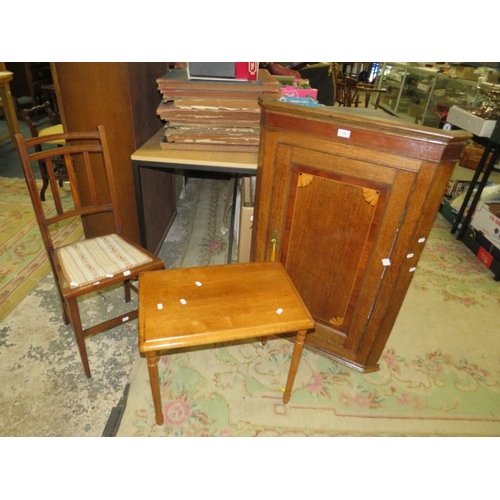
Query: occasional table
[{"x": 203, "y": 305}]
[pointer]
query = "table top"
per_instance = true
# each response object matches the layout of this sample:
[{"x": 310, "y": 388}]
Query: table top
[
  {"x": 152, "y": 152},
  {"x": 203, "y": 305}
]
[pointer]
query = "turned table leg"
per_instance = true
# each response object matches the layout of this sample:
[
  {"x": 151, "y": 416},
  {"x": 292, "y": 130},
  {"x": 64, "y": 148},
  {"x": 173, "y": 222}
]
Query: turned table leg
[
  {"x": 294, "y": 364},
  {"x": 152, "y": 359}
]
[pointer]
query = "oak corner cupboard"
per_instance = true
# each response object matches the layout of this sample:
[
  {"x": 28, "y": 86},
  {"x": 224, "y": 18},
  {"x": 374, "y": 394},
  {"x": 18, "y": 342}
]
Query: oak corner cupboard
[{"x": 345, "y": 199}]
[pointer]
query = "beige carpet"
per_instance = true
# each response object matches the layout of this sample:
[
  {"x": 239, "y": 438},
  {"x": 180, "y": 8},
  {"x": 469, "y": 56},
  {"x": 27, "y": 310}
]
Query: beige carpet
[{"x": 439, "y": 376}]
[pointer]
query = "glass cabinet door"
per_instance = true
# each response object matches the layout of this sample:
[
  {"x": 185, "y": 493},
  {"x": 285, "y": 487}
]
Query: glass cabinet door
[
  {"x": 421, "y": 95},
  {"x": 391, "y": 77},
  {"x": 419, "y": 87}
]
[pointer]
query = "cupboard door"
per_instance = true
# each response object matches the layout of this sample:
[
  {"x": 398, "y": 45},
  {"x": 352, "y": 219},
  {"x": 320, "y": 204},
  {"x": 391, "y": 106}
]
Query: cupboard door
[{"x": 332, "y": 222}]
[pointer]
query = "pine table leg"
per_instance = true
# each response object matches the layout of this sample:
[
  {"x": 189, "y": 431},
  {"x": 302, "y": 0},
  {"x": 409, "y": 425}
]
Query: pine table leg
[
  {"x": 152, "y": 359},
  {"x": 294, "y": 364}
]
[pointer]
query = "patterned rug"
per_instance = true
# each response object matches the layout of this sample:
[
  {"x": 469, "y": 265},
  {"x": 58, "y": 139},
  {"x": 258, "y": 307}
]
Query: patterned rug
[
  {"x": 22, "y": 254},
  {"x": 439, "y": 376},
  {"x": 43, "y": 389},
  {"x": 198, "y": 236}
]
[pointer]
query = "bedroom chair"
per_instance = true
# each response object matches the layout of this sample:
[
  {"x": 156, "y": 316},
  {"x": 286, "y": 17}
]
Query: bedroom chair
[
  {"x": 89, "y": 264},
  {"x": 42, "y": 120}
]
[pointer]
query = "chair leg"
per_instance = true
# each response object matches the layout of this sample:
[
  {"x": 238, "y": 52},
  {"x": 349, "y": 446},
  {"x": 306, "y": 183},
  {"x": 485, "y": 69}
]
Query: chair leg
[
  {"x": 64, "y": 305},
  {"x": 45, "y": 179},
  {"x": 66, "y": 318},
  {"x": 127, "y": 286},
  {"x": 76, "y": 323},
  {"x": 294, "y": 364}
]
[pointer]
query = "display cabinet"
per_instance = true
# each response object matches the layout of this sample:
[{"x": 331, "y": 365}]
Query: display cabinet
[
  {"x": 422, "y": 95},
  {"x": 345, "y": 199}
]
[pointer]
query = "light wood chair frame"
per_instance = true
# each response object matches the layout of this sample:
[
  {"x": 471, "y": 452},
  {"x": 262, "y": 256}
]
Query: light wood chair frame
[{"x": 82, "y": 145}]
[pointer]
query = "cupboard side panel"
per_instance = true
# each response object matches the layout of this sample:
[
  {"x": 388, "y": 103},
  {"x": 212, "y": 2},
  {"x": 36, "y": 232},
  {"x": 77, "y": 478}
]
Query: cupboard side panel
[{"x": 421, "y": 213}]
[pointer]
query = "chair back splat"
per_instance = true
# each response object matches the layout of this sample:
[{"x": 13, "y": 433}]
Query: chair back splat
[{"x": 92, "y": 263}]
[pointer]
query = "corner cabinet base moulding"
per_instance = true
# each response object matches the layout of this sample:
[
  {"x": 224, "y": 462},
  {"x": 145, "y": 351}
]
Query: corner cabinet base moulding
[{"x": 345, "y": 199}]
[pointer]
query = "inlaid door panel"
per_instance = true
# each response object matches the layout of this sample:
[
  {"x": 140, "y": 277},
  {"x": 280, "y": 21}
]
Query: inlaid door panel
[{"x": 325, "y": 222}]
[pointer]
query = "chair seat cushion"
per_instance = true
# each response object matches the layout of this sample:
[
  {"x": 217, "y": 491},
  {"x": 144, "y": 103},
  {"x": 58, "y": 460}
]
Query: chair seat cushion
[
  {"x": 89, "y": 261},
  {"x": 54, "y": 129}
]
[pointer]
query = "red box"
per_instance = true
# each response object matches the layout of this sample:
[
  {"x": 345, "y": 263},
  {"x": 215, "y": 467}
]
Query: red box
[
  {"x": 485, "y": 257},
  {"x": 486, "y": 219},
  {"x": 246, "y": 70}
]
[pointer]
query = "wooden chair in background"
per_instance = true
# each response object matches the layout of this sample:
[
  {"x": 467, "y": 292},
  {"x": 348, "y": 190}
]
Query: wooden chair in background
[
  {"x": 348, "y": 90},
  {"x": 42, "y": 121},
  {"x": 351, "y": 95},
  {"x": 89, "y": 264},
  {"x": 369, "y": 89},
  {"x": 339, "y": 84}
]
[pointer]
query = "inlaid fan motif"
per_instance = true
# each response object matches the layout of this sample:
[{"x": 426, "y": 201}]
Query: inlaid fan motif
[{"x": 371, "y": 196}]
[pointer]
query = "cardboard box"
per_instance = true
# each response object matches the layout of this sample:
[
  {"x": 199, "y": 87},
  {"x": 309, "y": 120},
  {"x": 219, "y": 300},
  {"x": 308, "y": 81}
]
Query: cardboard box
[
  {"x": 471, "y": 156},
  {"x": 494, "y": 77},
  {"x": 486, "y": 219},
  {"x": 487, "y": 253},
  {"x": 495, "y": 135},
  {"x": 461, "y": 117},
  {"x": 415, "y": 110},
  {"x": 466, "y": 73},
  {"x": 487, "y": 245},
  {"x": 245, "y": 241},
  {"x": 447, "y": 212},
  {"x": 457, "y": 187},
  {"x": 246, "y": 222}
]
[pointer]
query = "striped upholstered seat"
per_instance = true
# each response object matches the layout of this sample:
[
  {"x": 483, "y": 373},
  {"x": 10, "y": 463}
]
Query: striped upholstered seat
[{"x": 90, "y": 261}]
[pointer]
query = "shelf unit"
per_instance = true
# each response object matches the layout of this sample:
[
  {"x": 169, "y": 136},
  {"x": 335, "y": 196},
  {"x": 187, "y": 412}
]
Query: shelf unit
[{"x": 422, "y": 95}]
